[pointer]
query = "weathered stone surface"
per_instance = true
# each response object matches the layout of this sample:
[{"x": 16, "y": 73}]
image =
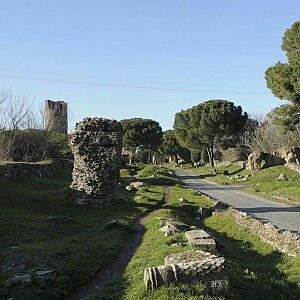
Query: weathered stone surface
[
  {"x": 130, "y": 188},
  {"x": 201, "y": 239},
  {"x": 189, "y": 267},
  {"x": 56, "y": 116},
  {"x": 43, "y": 169},
  {"x": 282, "y": 177},
  {"x": 171, "y": 227},
  {"x": 290, "y": 155},
  {"x": 19, "y": 279},
  {"x": 43, "y": 272},
  {"x": 196, "y": 234},
  {"x": 169, "y": 230},
  {"x": 97, "y": 146},
  {"x": 283, "y": 240},
  {"x": 186, "y": 257},
  {"x": 258, "y": 160},
  {"x": 137, "y": 184},
  {"x": 204, "y": 244}
]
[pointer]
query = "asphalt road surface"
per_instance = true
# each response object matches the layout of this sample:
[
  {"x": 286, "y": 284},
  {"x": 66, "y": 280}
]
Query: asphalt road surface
[{"x": 281, "y": 215}]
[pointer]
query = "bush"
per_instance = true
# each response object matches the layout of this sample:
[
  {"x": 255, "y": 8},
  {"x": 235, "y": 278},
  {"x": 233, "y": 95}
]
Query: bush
[
  {"x": 148, "y": 171},
  {"x": 32, "y": 145}
]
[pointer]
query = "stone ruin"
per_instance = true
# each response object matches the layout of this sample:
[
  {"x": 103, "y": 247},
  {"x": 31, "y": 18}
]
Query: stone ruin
[
  {"x": 259, "y": 159},
  {"x": 198, "y": 265},
  {"x": 97, "y": 146},
  {"x": 56, "y": 116},
  {"x": 188, "y": 267},
  {"x": 289, "y": 156}
]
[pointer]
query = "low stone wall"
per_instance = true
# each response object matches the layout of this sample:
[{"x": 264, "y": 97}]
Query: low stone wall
[
  {"x": 9, "y": 170},
  {"x": 284, "y": 241}
]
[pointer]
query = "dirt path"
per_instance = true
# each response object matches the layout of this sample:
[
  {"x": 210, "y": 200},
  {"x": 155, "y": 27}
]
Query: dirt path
[{"x": 118, "y": 266}]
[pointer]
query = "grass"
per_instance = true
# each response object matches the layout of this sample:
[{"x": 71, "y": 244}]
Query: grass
[
  {"x": 38, "y": 217},
  {"x": 256, "y": 270},
  {"x": 41, "y": 228},
  {"x": 264, "y": 183},
  {"x": 155, "y": 247}
]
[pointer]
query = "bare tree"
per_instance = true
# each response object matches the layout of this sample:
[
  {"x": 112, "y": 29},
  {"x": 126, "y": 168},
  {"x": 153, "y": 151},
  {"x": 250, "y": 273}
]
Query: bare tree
[
  {"x": 15, "y": 111},
  {"x": 264, "y": 136}
]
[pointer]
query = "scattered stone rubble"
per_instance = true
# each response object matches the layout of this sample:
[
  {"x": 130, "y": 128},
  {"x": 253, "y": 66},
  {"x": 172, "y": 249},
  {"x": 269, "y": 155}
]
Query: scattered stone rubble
[
  {"x": 171, "y": 227},
  {"x": 133, "y": 186},
  {"x": 97, "y": 147},
  {"x": 191, "y": 266},
  {"x": 22, "y": 267},
  {"x": 282, "y": 177},
  {"x": 188, "y": 267},
  {"x": 18, "y": 279}
]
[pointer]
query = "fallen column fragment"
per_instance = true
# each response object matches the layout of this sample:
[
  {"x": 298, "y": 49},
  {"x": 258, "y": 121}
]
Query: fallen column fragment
[{"x": 190, "y": 267}]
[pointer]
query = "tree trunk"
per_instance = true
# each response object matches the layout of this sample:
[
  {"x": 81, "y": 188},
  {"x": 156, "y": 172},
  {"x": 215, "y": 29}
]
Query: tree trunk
[
  {"x": 149, "y": 156},
  {"x": 131, "y": 156},
  {"x": 210, "y": 153},
  {"x": 176, "y": 159}
]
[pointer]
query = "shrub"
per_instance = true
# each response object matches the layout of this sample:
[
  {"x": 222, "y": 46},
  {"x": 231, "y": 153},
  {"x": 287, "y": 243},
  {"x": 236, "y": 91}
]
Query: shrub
[
  {"x": 148, "y": 171},
  {"x": 32, "y": 145}
]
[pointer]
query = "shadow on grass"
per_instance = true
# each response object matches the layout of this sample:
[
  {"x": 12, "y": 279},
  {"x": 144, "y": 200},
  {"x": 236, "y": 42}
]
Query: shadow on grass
[
  {"x": 235, "y": 172},
  {"x": 253, "y": 275},
  {"x": 160, "y": 181}
]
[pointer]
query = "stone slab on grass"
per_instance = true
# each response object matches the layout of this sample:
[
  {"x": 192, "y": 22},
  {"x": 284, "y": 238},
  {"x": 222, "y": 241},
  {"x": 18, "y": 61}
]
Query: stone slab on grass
[
  {"x": 200, "y": 239},
  {"x": 196, "y": 234}
]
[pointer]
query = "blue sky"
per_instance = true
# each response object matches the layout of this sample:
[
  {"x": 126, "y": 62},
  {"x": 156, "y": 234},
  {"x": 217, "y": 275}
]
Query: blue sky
[{"x": 217, "y": 48}]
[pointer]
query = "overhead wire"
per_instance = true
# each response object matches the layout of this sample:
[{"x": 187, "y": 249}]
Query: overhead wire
[{"x": 124, "y": 85}]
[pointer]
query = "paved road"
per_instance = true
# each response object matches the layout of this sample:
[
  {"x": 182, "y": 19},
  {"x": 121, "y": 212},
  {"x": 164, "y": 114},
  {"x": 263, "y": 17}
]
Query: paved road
[{"x": 280, "y": 215}]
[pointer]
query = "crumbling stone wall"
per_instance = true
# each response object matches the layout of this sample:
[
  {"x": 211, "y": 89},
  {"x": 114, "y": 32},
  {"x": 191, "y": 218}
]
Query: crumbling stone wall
[
  {"x": 97, "y": 147},
  {"x": 56, "y": 116},
  {"x": 9, "y": 170},
  {"x": 284, "y": 241}
]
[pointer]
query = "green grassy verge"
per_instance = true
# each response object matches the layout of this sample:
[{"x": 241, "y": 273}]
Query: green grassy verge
[
  {"x": 264, "y": 183},
  {"x": 256, "y": 271},
  {"x": 41, "y": 229}
]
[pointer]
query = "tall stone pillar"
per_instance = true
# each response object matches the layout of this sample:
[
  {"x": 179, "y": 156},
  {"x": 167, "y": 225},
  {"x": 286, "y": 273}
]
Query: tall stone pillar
[
  {"x": 56, "y": 116},
  {"x": 97, "y": 148}
]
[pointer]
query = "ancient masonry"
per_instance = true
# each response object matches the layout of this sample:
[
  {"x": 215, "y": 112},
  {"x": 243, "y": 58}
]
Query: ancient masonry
[
  {"x": 56, "y": 116},
  {"x": 97, "y": 146}
]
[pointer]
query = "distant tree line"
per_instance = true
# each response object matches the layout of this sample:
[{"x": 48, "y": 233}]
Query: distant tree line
[{"x": 213, "y": 129}]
